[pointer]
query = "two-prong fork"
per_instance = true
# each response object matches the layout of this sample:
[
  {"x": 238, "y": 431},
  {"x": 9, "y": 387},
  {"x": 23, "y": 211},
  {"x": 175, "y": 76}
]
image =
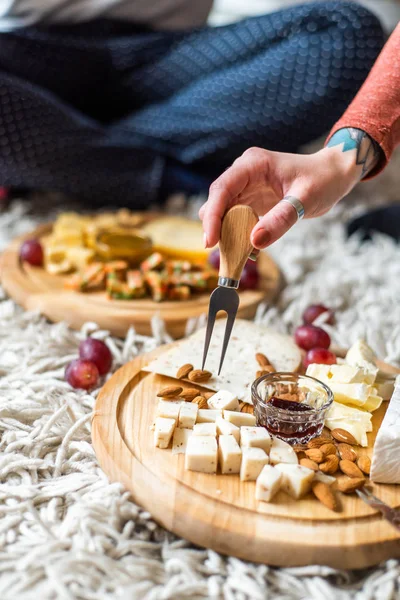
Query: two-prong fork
[{"x": 391, "y": 514}]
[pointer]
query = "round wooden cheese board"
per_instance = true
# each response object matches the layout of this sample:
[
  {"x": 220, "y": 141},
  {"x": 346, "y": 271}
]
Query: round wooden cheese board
[
  {"x": 219, "y": 511},
  {"x": 35, "y": 289}
]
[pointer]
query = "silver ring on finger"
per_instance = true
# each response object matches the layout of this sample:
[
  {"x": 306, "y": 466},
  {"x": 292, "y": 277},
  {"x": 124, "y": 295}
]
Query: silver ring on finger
[{"x": 297, "y": 205}]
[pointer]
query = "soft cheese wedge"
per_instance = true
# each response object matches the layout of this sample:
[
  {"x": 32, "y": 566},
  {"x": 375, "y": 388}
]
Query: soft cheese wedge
[
  {"x": 240, "y": 419},
  {"x": 296, "y": 480},
  {"x": 201, "y": 454},
  {"x": 230, "y": 454},
  {"x": 361, "y": 355},
  {"x": 268, "y": 483},
  {"x": 226, "y": 428},
  {"x": 385, "y": 466},
  {"x": 180, "y": 440},
  {"x": 281, "y": 452},
  {"x": 256, "y": 437},
  {"x": 163, "y": 430},
  {"x": 253, "y": 461}
]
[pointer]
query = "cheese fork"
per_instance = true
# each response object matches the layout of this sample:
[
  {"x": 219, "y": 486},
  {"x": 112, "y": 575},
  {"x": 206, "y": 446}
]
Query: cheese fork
[
  {"x": 391, "y": 514},
  {"x": 235, "y": 248}
]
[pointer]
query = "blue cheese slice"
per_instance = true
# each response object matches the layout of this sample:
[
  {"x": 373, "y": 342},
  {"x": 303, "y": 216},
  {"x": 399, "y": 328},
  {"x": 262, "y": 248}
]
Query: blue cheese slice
[
  {"x": 201, "y": 454},
  {"x": 230, "y": 454},
  {"x": 385, "y": 466}
]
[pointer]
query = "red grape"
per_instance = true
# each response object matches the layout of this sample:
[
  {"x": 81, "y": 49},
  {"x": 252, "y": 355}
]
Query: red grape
[
  {"x": 309, "y": 336},
  {"x": 97, "y": 352},
  {"x": 314, "y": 310},
  {"x": 249, "y": 279},
  {"x": 82, "y": 374},
  {"x": 321, "y": 356},
  {"x": 31, "y": 251}
]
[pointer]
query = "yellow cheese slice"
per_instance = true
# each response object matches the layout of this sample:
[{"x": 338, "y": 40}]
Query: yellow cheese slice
[{"x": 373, "y": 403}]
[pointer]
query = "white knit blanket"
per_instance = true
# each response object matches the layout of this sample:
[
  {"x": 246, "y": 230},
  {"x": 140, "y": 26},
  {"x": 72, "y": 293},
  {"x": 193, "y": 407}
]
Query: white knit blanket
[{"x": 67, "y": 533}]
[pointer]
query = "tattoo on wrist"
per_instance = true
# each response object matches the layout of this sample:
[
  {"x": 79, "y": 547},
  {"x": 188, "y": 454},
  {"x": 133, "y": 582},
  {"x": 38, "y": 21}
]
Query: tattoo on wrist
[{"x": 368, "y": 152}]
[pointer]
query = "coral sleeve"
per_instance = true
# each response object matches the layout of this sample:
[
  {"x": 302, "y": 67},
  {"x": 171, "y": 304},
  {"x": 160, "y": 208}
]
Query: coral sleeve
[{"x": 376, "y": 107}]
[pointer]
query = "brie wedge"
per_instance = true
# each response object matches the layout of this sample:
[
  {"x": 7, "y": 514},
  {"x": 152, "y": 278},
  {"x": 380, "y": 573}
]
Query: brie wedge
[{"x": 385, "y": 466}]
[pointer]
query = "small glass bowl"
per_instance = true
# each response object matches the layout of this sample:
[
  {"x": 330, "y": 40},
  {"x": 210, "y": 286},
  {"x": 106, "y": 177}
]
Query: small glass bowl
[{"x": 293, "y": 426}]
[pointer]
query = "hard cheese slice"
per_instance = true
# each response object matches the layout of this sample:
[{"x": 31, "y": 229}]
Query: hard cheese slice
[
  {"x": 240, "y": 365},
  {"x": 385, "y": 466}
]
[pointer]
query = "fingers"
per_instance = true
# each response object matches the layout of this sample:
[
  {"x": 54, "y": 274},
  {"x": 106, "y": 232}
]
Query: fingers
[{"x": 273, "y": 225}]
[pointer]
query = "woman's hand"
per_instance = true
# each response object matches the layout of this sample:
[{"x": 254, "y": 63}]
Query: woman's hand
[{"x": 261, "y": 179}]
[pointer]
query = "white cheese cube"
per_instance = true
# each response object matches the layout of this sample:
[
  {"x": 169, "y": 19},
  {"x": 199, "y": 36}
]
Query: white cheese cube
[
  {"x": 188, "y": 415},
  {"x": 239, "y": 419},
  {"x": 164, "y": 428},
  {"x": 253, "y": 461},
  {"x": 281, "y": 452},
  {"x": 226, "y": 428},
  {"x": 168, "y": 409},
  {"x": 230, "y": 454},
  {"x": 256, "y": 437},
  {"x": 201, "y": 454},
  {"x": 180, "y": 440},
  {"x": 206, "y": 415},
  {"x": 268, "y": 483},
  {"x": 205, "y": 429},
  {"x": 296, "y": 480},
  {"x": 223, "y": 400}
]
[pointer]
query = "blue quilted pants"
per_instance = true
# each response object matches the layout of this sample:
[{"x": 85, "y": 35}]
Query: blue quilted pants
[{"x": 101, "y": 110}]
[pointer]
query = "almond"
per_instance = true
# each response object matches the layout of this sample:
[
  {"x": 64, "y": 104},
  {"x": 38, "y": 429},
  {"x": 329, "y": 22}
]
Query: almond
[
  {"x": 208, "y": 395},
  {"x": 364, "y": 464},
  {"x": 330, "y": 466},
  {"x": 328, "y": 449},
  {"x": 199, "y": 376},
  {"x": 349, "y": 468},
  {"x": 184, "y": 371},
  {"x": 189, "y": 394},
  {"x": 341, "y": 435},
  {"x": 201, "y": 401},
  {"x": 310, "y": 464},
  {"x": 265, "y": 371},
  {"x": 317, "y": 442},
  {"x": 315, "y": 454},
  {"x": 262, "y": 359},
  {"x": 172, "y": 391},
  {"x": 324, "y": 493},
  {"x": 247, "y": 408},
  {"x": 348, "y": 485},
  {"x": 346, "y": 452}
]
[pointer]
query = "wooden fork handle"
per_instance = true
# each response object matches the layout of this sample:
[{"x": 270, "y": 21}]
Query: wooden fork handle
[{"x": 235, "y": 246}]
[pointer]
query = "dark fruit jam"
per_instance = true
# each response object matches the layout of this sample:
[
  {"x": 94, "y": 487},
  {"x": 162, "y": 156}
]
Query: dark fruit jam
[{"x": 293, "y": 429}]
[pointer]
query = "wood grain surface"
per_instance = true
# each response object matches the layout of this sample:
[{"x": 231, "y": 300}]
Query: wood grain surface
[
  {"x": 235, "y": 246},
  {"x": 35, "y": 289},
  {"x": 220, "y": 512}
]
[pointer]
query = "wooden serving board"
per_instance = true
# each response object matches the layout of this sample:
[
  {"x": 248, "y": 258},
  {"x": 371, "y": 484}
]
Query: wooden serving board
[
  {"x": 35, "y": 289},
  {"x": 219, "y": 511}
]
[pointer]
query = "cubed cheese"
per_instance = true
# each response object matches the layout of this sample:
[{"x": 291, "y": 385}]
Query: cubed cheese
[
  {"x": 256, "y": 437},
  {"x": 240, "y": 419},
  {"x": 226, "y": 428},
  {"x": 201, "y": 454},
  {"x": 180, "y": 440},
  {"x": 205, "y": 429},
  {"x": 164, "y": 428},
  {"x": 253, "y": 461},
  {"x": 206, "y": 415},
  {"x": 224, "y": 400},
  {"x": 230, "y": 454},
  {"x": 281, "y": 452},
  {"x": 168, "y": 409},
  {"x": 268, "y": 483},
  {"x": 188, "y": 415},
  {"x": 296, "y": 480}
]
